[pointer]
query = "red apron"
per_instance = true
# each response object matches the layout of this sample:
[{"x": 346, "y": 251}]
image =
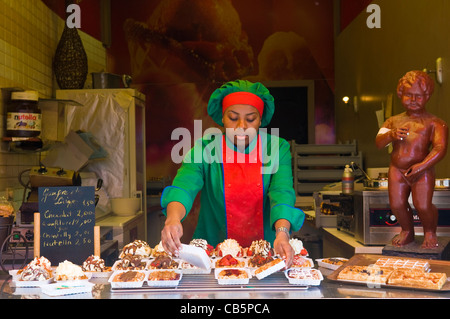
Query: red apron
[{"x": 243, "y": 187}]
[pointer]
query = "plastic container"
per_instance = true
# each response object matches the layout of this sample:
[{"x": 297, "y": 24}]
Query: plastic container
[
  {"x": 304, "y": 277},
  {"x": 195, "y": 256},
  {"x": 60, "y": 289},
  {"x": 127, "y": 284},
  {"x": 232, "y": 281},
  {"x": 348, "y": 180},
  {"x": 333, "y": 262},
  {"x": 302, "y": 262},
  {"x": 32, "y": 283},
  {"x": 23, "y": 116},
  {"x": 164, "y": 283},
  {"x": 274, "y": 266}
]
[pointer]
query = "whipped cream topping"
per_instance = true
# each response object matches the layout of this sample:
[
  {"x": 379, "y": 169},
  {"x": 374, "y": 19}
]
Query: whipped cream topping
[
  {"x": 69, "y": 271},
  {"x": 159, "y": 248},
  {"x": 93, "y": 263},
  {"x": 41, "y": 262},
  {"x": 231, "y": 247},
  {"x": 137, "y": 247},
  {"x": 296, "y": 244},
  {"x": 38, "y": 269},
  {"x": 202, "y": 243},
  {"x": 260, "y": 247}
]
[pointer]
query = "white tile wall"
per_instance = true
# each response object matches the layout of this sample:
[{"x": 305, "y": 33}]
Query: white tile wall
[{"x": 29, "y": 34}]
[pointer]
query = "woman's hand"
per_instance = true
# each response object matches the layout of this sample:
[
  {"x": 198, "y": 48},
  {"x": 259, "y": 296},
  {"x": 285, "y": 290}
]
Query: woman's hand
[
  {"x": 170, "y": 237},
  {"x": 173, "y": 230},
  {"x": 283, "y": 248}
]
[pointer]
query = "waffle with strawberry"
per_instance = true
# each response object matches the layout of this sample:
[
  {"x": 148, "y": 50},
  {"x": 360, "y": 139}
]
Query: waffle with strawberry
[{"x": 228, "y": 261}]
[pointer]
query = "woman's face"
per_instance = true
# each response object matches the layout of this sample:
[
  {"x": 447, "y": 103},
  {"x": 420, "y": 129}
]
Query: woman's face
[{"x": 241, "y": 123}]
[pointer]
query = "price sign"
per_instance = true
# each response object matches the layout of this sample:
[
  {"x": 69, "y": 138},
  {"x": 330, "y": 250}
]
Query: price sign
[{"x": 66, "y": 220}]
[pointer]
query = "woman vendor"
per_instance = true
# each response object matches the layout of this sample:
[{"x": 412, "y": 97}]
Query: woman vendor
[{"x": 244, "y": 196}]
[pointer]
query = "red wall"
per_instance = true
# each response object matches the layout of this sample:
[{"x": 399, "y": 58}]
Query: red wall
[{"x": 350, "y": 9}]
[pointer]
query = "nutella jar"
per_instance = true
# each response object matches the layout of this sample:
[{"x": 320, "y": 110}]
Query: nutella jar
[{"x": 23, "y": 117}]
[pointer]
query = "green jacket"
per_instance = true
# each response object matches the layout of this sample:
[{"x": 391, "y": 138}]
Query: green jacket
[{"x": 202, "y": 170}]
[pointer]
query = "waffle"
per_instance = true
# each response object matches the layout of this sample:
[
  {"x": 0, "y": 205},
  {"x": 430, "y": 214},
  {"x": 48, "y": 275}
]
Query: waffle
[
  {"x": 400, "y": 263},
  {"x": 417, "y": 279},
  {"x": 233, "y": 274},
  {"x": 365, "y": 274}
]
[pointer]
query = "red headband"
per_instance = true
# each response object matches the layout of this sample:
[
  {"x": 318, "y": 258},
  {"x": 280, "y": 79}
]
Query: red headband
[{"x": 243, "y": 98}]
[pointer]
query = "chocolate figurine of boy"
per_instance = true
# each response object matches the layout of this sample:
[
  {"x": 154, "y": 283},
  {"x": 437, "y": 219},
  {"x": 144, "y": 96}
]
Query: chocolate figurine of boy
[{"x": 419, "y": 141}]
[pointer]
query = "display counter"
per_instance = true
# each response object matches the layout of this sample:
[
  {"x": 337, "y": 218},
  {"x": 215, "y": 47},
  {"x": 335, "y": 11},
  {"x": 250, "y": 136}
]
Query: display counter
[
  {"x": 205, "y": 287},
  {"x": 339, "y": 243}
]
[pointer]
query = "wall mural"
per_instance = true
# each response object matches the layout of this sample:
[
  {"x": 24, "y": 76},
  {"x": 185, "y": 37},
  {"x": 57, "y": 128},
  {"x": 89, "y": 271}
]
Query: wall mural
[{"x": 180, "y": 51}]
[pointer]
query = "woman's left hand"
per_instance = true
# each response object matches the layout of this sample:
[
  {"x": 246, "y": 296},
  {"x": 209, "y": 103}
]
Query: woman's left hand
[{"x": 283, "y": 248}]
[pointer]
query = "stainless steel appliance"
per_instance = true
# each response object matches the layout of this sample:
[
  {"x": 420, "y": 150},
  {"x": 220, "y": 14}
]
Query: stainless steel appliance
[
  {"x": 32, "y": 179},
  {"x": 375, "y": 224}
]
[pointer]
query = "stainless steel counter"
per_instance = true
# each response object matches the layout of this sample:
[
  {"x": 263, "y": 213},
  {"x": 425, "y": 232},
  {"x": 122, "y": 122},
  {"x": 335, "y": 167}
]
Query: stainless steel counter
[{"x": 205, "y": 287}]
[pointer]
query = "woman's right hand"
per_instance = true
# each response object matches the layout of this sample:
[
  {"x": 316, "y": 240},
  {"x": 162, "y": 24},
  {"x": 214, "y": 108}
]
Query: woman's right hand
[
  {"x": 170, "y": 237},
  {"x": 173, "y": 230}
]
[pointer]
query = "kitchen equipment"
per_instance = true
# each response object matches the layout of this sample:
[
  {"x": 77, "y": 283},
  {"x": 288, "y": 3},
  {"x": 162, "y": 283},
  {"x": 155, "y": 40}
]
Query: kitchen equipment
[
  {"x": 334, "y": 209},
  {"x": 105, "y": 80},
  {"x": 375, "y": 224},
  {"x": 41, "y": 176},
  {"x": 125, "y": 206},
  {"x": 50, "y": 176},
  {"x": 31, "y": 179}
]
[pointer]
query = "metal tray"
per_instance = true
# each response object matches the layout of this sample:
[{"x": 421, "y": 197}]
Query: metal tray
[
  {"x": 368, "y": 259},
  {"x": 207, "y": 283}
]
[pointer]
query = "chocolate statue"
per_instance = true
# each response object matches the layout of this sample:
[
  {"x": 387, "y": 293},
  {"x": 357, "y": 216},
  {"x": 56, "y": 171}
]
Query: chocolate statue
[{"x": 419, "y": 141}]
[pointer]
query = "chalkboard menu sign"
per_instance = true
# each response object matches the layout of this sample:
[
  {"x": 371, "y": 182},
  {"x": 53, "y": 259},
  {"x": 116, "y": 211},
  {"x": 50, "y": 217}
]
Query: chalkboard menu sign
[{"x": 67, "y": 219}]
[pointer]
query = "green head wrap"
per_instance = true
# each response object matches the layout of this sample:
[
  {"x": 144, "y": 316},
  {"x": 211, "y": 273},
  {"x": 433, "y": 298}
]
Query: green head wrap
[{"x": 215, "y": 101}]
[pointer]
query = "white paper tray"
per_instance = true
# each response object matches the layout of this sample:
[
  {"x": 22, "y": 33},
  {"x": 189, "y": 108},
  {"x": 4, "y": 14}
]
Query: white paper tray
[
  {"x": 164, "y": 283},
  {"x": 99, "y": 274},
  {"x": 311, "y": 262},
  {"x": 61, "y": 289},
  {"x": 270, "y": 270},
  {"x": 88, "y": 275},
  {"x": 31, "y": 283},
  {"x": 188, "y": 269},
  {"x": 242, "y": 281},
  {"x": 195, "y": 256},
  {"x": 307, "y": 281},
  {"x": 133, "y": 284},
  {"x": 320, "y": 263}
]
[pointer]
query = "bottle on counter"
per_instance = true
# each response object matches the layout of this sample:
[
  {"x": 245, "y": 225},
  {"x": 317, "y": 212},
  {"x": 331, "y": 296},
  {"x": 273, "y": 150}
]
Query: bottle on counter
[
  {"x": 348, "y": 180},
  {"x": 23, "y": 117}
]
